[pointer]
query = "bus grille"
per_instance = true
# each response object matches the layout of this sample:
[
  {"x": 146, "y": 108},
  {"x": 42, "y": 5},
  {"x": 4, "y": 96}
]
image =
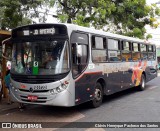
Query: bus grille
[
  {"x": 34, "y": 91},
  {"x": 39, "y": 79},
  {"x": 32, "y": 80}
]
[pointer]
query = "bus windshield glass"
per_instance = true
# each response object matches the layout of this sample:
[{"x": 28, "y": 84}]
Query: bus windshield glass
[{"x": 40, "y": 58}]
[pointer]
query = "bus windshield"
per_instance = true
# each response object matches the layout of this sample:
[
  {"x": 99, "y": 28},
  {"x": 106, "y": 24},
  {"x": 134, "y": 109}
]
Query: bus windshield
[{"x": 40, "y": 58}]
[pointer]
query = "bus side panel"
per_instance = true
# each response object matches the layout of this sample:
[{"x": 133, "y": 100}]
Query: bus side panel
[
  {"x": 151, "y": 73},
  {"x": 84, "y": 87},
  {"x": 113, "y": 82}
]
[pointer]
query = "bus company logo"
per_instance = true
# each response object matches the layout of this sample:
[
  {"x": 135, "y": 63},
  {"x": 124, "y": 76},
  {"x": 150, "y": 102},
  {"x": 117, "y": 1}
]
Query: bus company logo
[{"x": 31, "y": 89}]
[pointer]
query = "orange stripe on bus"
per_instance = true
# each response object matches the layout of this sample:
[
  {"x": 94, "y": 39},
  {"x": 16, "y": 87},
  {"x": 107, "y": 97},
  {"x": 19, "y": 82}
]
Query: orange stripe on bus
[{"x": 87, "y": 74}]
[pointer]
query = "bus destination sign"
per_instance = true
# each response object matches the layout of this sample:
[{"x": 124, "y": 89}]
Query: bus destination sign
[{"x": 39, "y": 32}]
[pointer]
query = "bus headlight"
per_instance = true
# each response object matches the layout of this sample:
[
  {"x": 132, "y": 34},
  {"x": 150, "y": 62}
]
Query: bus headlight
[
  {"x": 52, "y": 91},
  {"x": 60, "y": 88}
]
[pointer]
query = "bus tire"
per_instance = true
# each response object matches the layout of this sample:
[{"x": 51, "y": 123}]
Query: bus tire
[
  {"x": 98, "y": 96},
  {"x": 142, "y": 85}
]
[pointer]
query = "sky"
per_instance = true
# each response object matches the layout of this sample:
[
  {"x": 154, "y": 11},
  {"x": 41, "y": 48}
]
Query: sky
[
  {"x": 154, "y": 32},
  {"x": 151, "y": 1}
]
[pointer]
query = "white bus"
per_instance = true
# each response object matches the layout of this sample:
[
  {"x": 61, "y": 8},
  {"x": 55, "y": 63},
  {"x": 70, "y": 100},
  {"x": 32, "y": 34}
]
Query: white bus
[{"x": 66, "y": 64}]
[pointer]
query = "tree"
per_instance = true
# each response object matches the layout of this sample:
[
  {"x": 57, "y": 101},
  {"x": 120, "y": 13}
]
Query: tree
[
  {"x": 126, "y": 17},
  {"x": 85, "y": 13},
  {"x": 15, "y": 13},
  {"x": 131, "y": 16}
]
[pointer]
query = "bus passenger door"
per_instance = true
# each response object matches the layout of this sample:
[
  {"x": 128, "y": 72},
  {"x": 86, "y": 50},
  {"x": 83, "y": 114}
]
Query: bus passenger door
[{"x": 79, "y": 54}]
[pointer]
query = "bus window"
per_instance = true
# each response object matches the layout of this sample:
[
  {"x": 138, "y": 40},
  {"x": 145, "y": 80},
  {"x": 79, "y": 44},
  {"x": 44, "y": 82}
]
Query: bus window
[
  {"x": 144, "y": 54},
  {"x": 79, "y": 58},
  {"x": 154, "y": 48},
  {"x": 99, "y": 53},
  {"x": 154, "y": 52},
  {"x": 143, "y": 48},
  {"x": 150, "y": 53},
  {"x": 113, "y": 50},
  {"x": 135, "y": 52},
  {"x": 79, "y": 52},
  {"x": 126, "y": 51},
  {"x": 150, "y": 48}
]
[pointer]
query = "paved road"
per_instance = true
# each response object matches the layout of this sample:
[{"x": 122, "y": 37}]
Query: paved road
[{"x": 127, "y": 106}]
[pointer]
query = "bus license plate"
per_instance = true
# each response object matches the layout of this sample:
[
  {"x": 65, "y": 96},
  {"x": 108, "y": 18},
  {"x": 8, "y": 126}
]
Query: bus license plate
[{"x": 32, "y": 98}]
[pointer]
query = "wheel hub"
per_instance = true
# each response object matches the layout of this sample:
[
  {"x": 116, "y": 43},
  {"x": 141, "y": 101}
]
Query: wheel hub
[{"x": 98, "y": 94}]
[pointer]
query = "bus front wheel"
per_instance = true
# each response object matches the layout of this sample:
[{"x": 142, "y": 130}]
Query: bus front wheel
[
  {"x": 142, "y": 85},
  {"x": 98, "y": 96}
]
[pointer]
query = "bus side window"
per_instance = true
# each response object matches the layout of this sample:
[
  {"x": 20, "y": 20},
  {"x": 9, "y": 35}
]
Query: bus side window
[
  {"x": 99, "y": 52},
  {"x": 144, "y": 54},
  {"x": 154, "y": 52},
  {"x": 114, "y": 50},
  {"x": 126, "y": 51},
  {"x": 151, "y": 53},
  {"x": 136, "y": 52}
]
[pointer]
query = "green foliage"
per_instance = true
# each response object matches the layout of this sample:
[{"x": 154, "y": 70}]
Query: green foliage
[
  {"x": 149, "y": 36},
  {"x": 15, "y": 13},
  {"x": 126, "y": 17}
]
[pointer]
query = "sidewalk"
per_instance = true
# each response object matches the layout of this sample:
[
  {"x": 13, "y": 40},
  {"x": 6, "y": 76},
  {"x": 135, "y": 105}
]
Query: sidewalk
[{"x": 5, "y": 106}]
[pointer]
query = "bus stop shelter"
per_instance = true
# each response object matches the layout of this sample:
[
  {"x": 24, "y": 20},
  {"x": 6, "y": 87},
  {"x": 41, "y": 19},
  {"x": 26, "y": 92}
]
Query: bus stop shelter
[{"x": 3, "y": 35}]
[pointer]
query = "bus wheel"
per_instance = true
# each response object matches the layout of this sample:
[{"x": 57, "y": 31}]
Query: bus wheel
[
  {"x": 142, "y": 85},
  {"x": 98, "y": 96}
]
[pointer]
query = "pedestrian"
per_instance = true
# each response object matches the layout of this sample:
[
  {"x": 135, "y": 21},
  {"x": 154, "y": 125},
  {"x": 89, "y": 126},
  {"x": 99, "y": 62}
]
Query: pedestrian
[{"x": 7, "y": 84}]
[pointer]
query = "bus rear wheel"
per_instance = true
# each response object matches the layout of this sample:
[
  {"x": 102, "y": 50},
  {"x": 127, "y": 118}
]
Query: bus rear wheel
[
  {"x": 98, "y": 96},
  {"x": 142, "y": 85}
]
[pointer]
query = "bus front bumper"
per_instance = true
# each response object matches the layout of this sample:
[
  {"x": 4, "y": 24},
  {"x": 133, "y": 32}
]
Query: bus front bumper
[{"x": 64, "y": 98}]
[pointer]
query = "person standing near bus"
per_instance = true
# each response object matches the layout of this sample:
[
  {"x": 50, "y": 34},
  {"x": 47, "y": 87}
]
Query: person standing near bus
[{"x": 7, "y": 84}]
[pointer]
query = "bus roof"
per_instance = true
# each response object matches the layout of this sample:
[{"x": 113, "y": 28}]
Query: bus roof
[
  {"x": 103, "y": 33},
  {"x": 73, "y": 27}
]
